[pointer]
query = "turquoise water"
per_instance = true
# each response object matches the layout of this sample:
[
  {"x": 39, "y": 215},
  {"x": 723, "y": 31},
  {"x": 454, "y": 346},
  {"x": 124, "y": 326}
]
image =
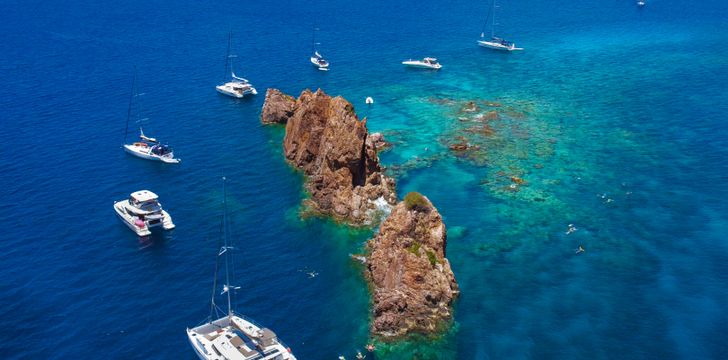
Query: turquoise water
[{"x": 613, "y": 116}]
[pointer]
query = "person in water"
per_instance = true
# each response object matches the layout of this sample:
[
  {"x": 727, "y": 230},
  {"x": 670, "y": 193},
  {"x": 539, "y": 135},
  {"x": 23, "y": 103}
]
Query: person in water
[
  {"x": 579, "y": 250},
  {"x": 571, "y": 229}
]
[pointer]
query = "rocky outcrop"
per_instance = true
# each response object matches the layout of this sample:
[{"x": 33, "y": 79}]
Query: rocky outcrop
[
  {"x": 326, "y": 140},
  {"x": 379, "y": 142},
  {"x": 412, "y": 283},
  {"x": 278, "y": 107}
]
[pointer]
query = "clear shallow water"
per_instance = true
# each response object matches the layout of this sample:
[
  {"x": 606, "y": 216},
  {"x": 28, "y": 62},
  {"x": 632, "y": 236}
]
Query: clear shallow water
[{"x": 606, "y": 100}]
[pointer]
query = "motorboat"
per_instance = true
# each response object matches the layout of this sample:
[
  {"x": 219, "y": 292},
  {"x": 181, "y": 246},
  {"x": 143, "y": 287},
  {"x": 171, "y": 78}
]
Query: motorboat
[
  {"x": 142, "y": 211},
  {"x": 318, "y": 61},
  {"x": 226, "y": 334},
  {"x": 426, "y": 63},
  {"x": 146, "y": 147},
  {"x": 235, "y": 86},
  {"x": 150, "y": 149},
  {"x": 495, "y": 42}
]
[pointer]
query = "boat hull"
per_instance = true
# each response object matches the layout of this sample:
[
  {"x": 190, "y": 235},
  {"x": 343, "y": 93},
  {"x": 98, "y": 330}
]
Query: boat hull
[
  {"x": 420, "y": 65},
  {"x": 145, "y": 153},
  {"x": 166, "y": 222},
  {"x": 201, "y": 341},
  {"x": 229, "y": 91},
  {"x": 497, "y": 46},
  {"x": 315, "y": 63}
]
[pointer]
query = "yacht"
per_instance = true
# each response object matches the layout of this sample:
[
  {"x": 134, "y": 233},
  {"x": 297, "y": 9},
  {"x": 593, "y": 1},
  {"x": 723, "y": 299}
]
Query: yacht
[
  {"x": 426, "y": 63},
  {"x": 142, "y": 211},
  {"x": 236, "y": 86},
  {"x": 317, "y": 59},
  {"x": 225, "y": 334},
  {"x": 495, "y": 43},
  {"x": 150, "y": 149},
  {"x": 147, "y": 147}
]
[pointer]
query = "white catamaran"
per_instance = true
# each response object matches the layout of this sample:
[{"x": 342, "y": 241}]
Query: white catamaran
[
  {"x": 233, "y": 336},
  {"x": 495, "y": 42},
  {"x": 147, "y": 147},
  {"x": 142, "y": 211},
  {"x": 317, "y": 59},
  {"x": 237, "y": 87}
]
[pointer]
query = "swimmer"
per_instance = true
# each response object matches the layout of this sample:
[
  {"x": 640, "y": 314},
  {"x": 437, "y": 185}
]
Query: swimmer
[
  {"x": 359, "y": 355},
  {"x": 571, "y": 229},
  {"x": 370, "y": 347},
  {"x": 609, "y": 200},
  {"x": 579, "y": 250}
]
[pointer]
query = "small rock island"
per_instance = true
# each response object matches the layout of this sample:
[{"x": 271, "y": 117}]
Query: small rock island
[
  {"x": 326, "y": 140},
  {"x": 413, "y": 286}
]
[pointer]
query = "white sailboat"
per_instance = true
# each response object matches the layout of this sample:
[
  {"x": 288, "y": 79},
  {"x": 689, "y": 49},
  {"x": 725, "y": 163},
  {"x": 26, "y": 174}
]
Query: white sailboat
[
  {"x": 317, "y": 59},
  {"x": 495, "y": 43},
  {"x": 147, "y": 147},
  {"x": 233, "y": 336},
  {"x": 236, "y": 87}
]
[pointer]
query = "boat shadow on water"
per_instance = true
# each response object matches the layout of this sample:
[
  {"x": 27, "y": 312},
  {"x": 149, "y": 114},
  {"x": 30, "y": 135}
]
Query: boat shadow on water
[{"x": 155, "y": 240}]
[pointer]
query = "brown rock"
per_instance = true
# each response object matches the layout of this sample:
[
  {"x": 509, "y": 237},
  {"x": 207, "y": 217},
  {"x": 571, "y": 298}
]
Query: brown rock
[
  {"x": 458, "y": 147},
  {"x": 413, "y": 285},
  {"x": 280, "y": 109},
  {"x": 378, "y": 141},
  {"x": 518, "y": 181},
  {"x": 326, "y": 140},
  {"x": 490, "y": 115}
]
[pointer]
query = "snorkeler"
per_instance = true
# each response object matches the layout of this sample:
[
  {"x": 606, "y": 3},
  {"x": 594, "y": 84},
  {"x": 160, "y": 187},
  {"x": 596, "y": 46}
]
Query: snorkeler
[
  {"x": 571, "y": 229},
  {"x": 579, "y": 250}
]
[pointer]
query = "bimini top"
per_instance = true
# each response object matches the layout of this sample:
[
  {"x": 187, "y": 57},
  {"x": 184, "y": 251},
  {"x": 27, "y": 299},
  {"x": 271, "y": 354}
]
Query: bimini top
[
  {"x": 430, "y": 59},
  {"x": 143, "y": 196}
]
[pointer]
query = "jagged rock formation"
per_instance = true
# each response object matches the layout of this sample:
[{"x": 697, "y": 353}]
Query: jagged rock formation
[
  {"x": 327, "y": 141},
  {"x": 278, "y": 107},
  {"x": 412, "y": 283}
]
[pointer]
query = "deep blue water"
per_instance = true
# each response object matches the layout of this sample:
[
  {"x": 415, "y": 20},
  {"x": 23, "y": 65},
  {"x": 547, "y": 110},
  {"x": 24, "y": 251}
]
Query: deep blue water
[{"x": 614, "y": 115}]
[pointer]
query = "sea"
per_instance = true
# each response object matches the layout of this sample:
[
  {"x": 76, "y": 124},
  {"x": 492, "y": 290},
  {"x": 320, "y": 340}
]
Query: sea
[{"x": 607, "y": 133}]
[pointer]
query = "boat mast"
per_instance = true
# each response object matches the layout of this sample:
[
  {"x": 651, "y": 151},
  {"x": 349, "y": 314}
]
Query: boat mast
[
  {"x": 485, "y": 23},
  {"x": 228, "y": 65},
  {"x": 492, "y": 25},
  {"x": 225, "y": 248},
  {"x": 128, "y": 111},
  {"x": 313, "y": 39}
]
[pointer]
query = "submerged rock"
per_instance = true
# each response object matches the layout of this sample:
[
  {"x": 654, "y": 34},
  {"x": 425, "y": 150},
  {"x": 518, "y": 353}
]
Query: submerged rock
[
  {"x": 470, "y": 107},
  {"x": 413, "y": 285},
  {"x": 379, "y": 142},
  {"x": 326, "y": 140}
]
